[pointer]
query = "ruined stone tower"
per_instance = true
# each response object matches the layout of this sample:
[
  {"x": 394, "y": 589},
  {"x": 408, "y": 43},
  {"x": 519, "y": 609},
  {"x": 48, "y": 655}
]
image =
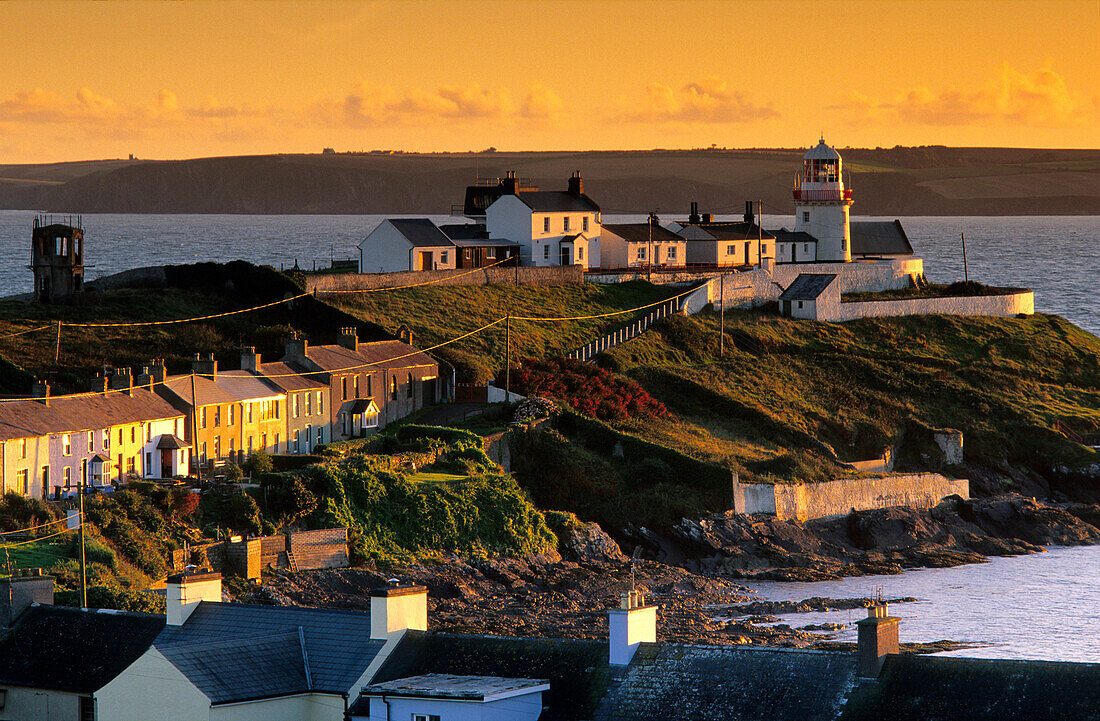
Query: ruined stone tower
[{"x": 57, "y": 259}]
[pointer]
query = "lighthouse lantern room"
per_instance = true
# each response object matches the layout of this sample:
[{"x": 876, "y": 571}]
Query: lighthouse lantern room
[{"x": 821, "y": 204}]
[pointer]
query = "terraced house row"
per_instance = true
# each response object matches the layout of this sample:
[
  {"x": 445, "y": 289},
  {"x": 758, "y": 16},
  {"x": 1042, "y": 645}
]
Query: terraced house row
[{"x": 154, "y": 425}]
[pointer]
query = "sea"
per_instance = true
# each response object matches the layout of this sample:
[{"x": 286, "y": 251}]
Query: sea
[{"x": 1044, "y": 606}]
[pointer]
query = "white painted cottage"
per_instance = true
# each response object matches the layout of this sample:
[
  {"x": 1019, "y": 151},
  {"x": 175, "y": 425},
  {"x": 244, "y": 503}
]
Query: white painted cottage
[{"x": 406, "y": 244}]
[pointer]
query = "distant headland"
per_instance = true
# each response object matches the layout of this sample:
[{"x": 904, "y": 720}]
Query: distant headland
[{"x": 899, "y": 181}]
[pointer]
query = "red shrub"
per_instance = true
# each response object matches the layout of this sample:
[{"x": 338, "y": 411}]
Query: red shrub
[{"x": 591, "y": 390}]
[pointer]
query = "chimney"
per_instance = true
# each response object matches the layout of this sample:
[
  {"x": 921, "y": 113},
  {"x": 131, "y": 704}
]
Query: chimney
[
  {"x": 708, "y": 217},
  {"x": 17, "y": 593},
  {"x": 250, "y": 359},
  {"x": 576, "y": 183},
  {"x": 510, "y": 184},
  {"x": 122, "y": 380},
  {"x": 156, "y": 369},
  {"x": 349, "y": 338},
  {"x": 878, "y": 636},
  {"x": 396, "y": 609},
  {"x": 205, "y": 366},
  {"x": 405, "y": 334},
  {"x": 144, "y": 379},
  {"x": 296, "y": 348},
  {"x": 630, "y": 624},
  {"x": 654, "y": 220},
  {"x": 100, "y": 383},
  {"x": 41, "y": 389},
  {"x": 185, "y": 591},
  {"x": 693, "y": 217},
  {"x": 749, "y": 215}
]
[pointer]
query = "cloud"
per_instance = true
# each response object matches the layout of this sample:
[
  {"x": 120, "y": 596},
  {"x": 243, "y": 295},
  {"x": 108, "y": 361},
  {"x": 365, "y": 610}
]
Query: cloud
[
  {"x": 1039, "y": 98},
  {"x": 708, "y": 101},
  {"x": 542, "y": 102}
]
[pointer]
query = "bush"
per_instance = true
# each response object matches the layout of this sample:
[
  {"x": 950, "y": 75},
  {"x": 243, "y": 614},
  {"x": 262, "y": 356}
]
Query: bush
[
  {"x": 286, "y": 498},
  {"x": 228, "y": 506},
  {"x": 591, "y": 390},
  {"x": 18, "y": 512},
  {"x": 107, "y": 597},
  {"x": 257, "y": 463},
  {"x": 94, "y": 552}
]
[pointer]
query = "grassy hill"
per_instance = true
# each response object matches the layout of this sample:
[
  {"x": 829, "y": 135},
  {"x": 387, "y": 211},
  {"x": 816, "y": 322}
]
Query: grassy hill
[{"x": 930, "y": 180}]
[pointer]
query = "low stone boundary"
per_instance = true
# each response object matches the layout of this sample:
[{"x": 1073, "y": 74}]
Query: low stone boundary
[
  {"x": 247, "y": 557},
  {"x": 500, "y": 275},
  {"x": 1022, "y": 303},
  {"x": 805, "y": 501}
]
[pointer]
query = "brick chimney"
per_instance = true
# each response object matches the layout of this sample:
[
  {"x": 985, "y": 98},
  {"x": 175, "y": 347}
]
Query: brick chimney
[
  {"x": 144, "y": 379},
  {"x": 396, "y": 609},
  {"x": 186, "y": 590},
  {"x": 576, "y": 183},
  {"x": 157, "y": 370},
  {"x": 18, "y": 592},
  {"x": 122, "y": 380},
  {"x": 349, "y": 338},
  {"x": 510, "y": 184},
  {"x": 878, "y": 636},
  {"x": 630, "y": 624},
  {"x": 693, "y": 216},
  {"x": 101, "y": 382},
  {"x": 296, "y": 348},
  {"x": 207, "y": 366},
  {"x": 405, "y": 334},
  {"x": 250, "y": 359},
  {"x": 41, "y": 390}
]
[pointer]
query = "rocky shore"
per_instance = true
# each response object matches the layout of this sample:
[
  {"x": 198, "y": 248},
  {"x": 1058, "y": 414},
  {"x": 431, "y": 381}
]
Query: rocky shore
[{"x": 694, "y": 580}]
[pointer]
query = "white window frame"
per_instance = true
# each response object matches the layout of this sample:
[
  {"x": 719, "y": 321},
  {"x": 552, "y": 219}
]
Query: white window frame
[
  {"x": 565, "y": 224},
  {"x": 67, "y": 444},
  {"x": 805, "y": 216},
  {"x": 546, "y": 224},
  {"x": 584, "y": 224},
  {"x": 442, "y": 257}
]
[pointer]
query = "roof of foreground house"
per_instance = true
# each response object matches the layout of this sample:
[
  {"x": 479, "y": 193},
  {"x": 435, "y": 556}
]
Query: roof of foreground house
[
  {"x": 740, "y": 230},
  {"x": 86, "y": 411},
  {"x": 936, "y": 688},
  {"x": 808, "y": 286},
  {"x": 877, "y": 237},
  {"x": 452, "y": 686},
  {"x": 369, "y": 356},
  {"x": 557, "y": 201},
  {"x": 238, "y": 651},
  {"x": 640, "y": 232},
  {"x": 69, "y": 649},
  {"x": 290, "y": 377},
  {"x": 420, "y": 232}
]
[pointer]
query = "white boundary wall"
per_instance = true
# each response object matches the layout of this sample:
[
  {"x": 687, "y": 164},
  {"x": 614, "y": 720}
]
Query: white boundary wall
[{"x": 804, "y": 501}]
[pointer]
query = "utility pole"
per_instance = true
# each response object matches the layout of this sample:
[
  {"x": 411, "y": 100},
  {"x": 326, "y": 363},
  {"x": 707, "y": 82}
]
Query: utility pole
[
  {"x": 195, "y": 424},
  {"x": 508, "y": 358},
  {"x": 57, "y": 351},
  {"x": 759, "y": 232},
  {"x": 722, "y": 316},
  {"x": 83, "y": 566},
  {"x": 649, "y": 250},
  {"x": 966, "y": 273}
]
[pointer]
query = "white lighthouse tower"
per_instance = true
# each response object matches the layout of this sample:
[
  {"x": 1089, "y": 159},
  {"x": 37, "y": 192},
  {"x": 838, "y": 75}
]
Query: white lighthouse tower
[{"x": 821, "y": 204}]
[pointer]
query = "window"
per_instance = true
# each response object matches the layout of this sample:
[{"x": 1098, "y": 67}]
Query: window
[
  {"x": 84, "y": 471},
  {"x": 133, "y": 434},
  {"x": 393, "y": 387},
  {"x": 130, "y": 464},
  {"x": 370, "y": 386},
  {"x": 321, "y": 398},
  {"x": 370, "y": 420},
  {"x": 356, "y": 385},
  {"x": 217, "y": 416},
  {"x": 799, "y": 304},
  {"x": 22, "y": 482},
  {"x": 248, "y": 407},
  {"x": 269, "y": 410},
  {"x": 491, "y": 253},
  {"x": 67, "y": 444},
  {"x": 309, "y": 404},
  {"x": 425, "y": 717},
  {"x": 276, "y": 442},
  {"x": 91, "y": 444},
  {"x": 806, "y": 216},
  {"x": 217, "y": 447},
  {"x": 107, "y": 440},
  {"x": 580, "y": 253},
  {"x": 232, "y": 446},
  {"x": 443, "y": 257},
  {"x": 641, "y": 253},
  {"x": 320, "y": 435},
  {"x": 229, "y": 414},
  {"x": 469, "y": 254},
  {"x": 806, "y": 247},
  {"x": 294, "y": 405},
  {"x": 22, "y": 447},
  {"x": 731, "y": 250},
  {"x": 250, "y": 445},
  {"x": 344, "y": 386},
  {"x": 409, "y": 388},
  {"x": 672, "y": 252},
  {"x": 584, "y": 224},
  {"x": 263, "y": 442},
  {"x": 149, "y": 464},
  {"x": 45, "y": 478},
  {"x": 202, "y": 417},
  {"x": 297, "y": 443},
  {"x": 565, "y": 224},
  {"x": 67, "y": 474},
  {"x": 546, "y": 224}
]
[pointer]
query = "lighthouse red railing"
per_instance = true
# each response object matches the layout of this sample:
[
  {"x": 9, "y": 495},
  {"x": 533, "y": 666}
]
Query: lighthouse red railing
[{"x": 800, "y": 194}]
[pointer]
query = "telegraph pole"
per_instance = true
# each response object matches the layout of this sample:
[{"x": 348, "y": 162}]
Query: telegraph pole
[
  {"x": 722, "y": 316},
  {"x": 57, "y": 351},
  {"x": 966, "y": 273},
  {"x": 83, "y": 566},
  {"x": 759, "y": 232},
  {"x": 508, "y": 358}
]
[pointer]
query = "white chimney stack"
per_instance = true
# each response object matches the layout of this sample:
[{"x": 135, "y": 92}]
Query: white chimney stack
[
  {"x": 630, "y": 624},
  {"x": 185, "y": 591},
  {"x": 396, "y": 609}
]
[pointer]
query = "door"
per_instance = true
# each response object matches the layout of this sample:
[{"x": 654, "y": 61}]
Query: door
[
  {"x": 426, "y": 260},
  {"x": 748, "y": 246},
  {"x": 565, "y": 259},
  {"x": 794, "y": 252},
  {"x": 166, "y": 463}
]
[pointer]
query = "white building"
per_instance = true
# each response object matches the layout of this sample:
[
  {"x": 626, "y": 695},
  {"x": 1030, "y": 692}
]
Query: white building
[
  {"x": 550, "y": 227},
  {"x": 638, "y": 245},
  {"x": 406, "y": 244},
  {"x": 821, "y": 204}
]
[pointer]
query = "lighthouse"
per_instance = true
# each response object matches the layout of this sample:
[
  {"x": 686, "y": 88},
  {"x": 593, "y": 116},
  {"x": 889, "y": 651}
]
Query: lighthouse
[{"x": 821, "y": 204}]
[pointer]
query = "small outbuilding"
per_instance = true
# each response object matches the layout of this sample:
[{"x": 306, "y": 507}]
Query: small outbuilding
[
  {"x": 809, "y": 290},
  {"x": 406, "y": 244}
]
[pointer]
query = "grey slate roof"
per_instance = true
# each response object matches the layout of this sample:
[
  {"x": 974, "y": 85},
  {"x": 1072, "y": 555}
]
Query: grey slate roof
[
  {"x": 740, "y": 230},
  {"x": 464, "y": 231},
  {"x": 640, "y": 232},
  {"x": 577, "y": 669},
  {"x": 242, "y": 669},
  {"x": 932, "y": 688},
  {"x": 420, "y": 232},
  {"x": 875, "y": 237},
  {"x": 808, "y": 286},
  {"x": 67, "y": 649},
  {"x": 557, "y": 201},
  {"x": 673, "y": 682},
  {"x": 337, "y": 643},
  {"x": 789, "y": 236},
  {"x": 82, "y": 412}
]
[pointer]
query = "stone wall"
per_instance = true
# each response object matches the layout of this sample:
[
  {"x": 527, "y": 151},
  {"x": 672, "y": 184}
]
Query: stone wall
[
  {"x": 500, "y": 275},
  {"x": 995, "y": 305},
  {"x": 804, "y": 501},
  {"x": 664, "y": 277},
  {"x": 324, "y": 548}
]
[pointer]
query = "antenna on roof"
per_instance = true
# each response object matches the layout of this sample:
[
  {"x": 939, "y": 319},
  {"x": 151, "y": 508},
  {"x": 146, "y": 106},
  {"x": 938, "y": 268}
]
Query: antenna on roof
[{"x": 633, "y": 557}]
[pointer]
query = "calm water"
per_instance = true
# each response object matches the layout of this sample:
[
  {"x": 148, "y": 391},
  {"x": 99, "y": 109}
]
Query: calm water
[
  {"x": 1058, "y": 257},
  {"x": 1044, "y": 606}
]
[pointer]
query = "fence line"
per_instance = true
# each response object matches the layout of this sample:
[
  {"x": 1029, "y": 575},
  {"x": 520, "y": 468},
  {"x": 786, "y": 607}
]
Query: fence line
[{"x": 628, "y": 332}]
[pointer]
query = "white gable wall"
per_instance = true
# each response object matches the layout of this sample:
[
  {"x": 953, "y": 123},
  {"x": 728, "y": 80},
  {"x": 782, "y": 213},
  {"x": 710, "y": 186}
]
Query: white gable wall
[
  {"x": 304, "y": 707},
  {"x": 509, "y": 218},
  {"x": 386, "y": 250},
  {"x": 523, "y": 707},
  {"x": 151, "y": 689}
]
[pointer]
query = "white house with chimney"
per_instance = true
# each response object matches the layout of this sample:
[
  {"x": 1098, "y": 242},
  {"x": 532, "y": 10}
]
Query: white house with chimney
[{"x": 551, "y": 227}]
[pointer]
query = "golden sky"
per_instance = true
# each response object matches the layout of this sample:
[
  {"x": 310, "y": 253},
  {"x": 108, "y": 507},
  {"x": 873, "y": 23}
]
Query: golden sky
[{"x": 188, "y": 79}]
